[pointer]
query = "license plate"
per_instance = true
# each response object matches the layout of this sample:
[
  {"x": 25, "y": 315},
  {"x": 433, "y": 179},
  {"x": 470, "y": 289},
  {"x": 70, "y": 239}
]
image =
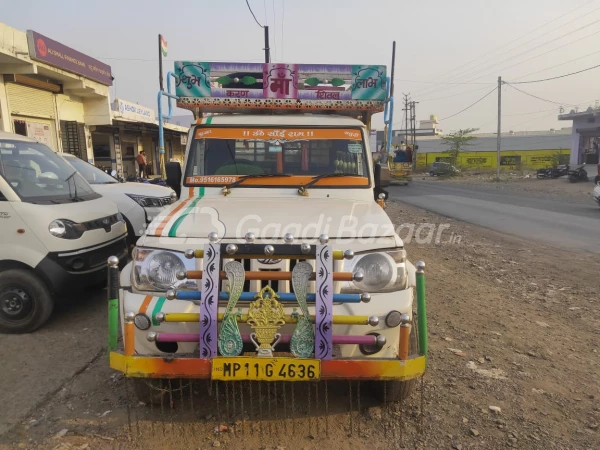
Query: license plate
[{"x": 265, "y": 369}]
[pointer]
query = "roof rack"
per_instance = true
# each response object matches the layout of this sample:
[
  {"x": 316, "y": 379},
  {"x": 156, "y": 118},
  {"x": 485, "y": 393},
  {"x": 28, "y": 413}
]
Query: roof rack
[{"x": 230, "y": 87}]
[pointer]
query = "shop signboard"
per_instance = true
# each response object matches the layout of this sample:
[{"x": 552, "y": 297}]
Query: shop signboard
[
  {"x": 44, "y": 49},
  {"x": 41, "y": 132},
  {"x": 132, "y": 111}
]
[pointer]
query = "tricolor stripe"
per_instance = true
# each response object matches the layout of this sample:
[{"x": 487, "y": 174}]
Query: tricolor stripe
[
  {"x": 160, "y": 228},
  {"x": 189, "y": 209}
]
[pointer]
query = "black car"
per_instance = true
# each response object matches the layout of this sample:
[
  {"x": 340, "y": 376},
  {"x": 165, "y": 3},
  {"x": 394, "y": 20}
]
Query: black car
[{"x": 442, "y": 168}]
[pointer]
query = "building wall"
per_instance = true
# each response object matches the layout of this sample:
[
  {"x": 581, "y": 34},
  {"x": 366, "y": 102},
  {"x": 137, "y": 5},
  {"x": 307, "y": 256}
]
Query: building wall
[{"x": 509, "y": 159}]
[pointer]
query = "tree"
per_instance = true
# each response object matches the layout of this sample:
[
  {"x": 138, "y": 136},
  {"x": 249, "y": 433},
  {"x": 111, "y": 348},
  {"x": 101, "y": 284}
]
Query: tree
[{"x": 457, "y": 141}]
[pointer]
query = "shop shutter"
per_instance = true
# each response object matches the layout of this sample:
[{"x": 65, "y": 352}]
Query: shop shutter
[{"x": 28, "y": 101}]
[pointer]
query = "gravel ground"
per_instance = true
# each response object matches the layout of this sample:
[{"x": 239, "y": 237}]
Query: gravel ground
[{"x": 513, "y": 363}]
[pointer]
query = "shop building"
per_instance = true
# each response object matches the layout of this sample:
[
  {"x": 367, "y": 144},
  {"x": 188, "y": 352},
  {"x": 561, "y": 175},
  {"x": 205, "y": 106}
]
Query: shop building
[
  {"x": 585, "y": 135},
  {"x": 133, "y": 128},
  {"x": 51, "y": 92}
]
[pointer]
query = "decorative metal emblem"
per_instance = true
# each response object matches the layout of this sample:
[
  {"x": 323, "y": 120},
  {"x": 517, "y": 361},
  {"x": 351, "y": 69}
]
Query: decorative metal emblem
[
  {"x": 265, "y": 317},
  {"x": 302, "y": 343},
  {"x": 230, "y": 339}
]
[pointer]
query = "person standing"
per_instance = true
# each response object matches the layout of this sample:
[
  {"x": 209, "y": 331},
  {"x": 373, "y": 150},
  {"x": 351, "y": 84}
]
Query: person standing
[{"x": 141, "y": 160}]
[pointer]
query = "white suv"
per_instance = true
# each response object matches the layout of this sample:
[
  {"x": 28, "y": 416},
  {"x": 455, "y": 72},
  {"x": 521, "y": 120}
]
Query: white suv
[{"x": 139, "y": 203}]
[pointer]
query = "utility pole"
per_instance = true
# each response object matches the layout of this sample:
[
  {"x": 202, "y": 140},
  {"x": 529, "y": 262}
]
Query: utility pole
[
  {"x": 267, "y": 49},
  {"x": 406, "y": 112},
  {"x": 160, "y": 69},
  {"x": 414, "y": 133},
  {"x": 499, "y": 126}
]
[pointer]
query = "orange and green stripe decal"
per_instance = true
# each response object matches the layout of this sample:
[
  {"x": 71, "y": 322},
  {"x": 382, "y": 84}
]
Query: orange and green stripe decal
[
  {"x": 157, "y": 308},
  {"x": 175, "y": 210},
  {"x": 189, "y": 209},
  {"x": 145, "y": 304}
]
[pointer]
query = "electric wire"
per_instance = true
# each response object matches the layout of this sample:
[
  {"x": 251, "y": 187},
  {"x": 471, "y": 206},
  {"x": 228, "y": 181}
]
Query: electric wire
[
  {"x": 485, "y": 55},
  {"x": 274, "y": 29},
  {"x": 557, "y": 65},
  {"x": 490, "y": 69},
  {"x": 539, "y": 98},
  {"x": 252, "y": 12},
  {"x": 555, "y": 78},
  {"x": 470, "y": 106}
]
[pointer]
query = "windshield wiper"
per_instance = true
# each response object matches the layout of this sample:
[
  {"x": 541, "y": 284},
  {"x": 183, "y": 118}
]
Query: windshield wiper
[
  {"x": 227, "y": 188},
  {"x": 76, "y": 198},
  {"x": 302, "y": 189}
]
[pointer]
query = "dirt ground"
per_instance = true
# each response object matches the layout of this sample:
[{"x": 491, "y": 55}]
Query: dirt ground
[{"x": 513, "y": 363}]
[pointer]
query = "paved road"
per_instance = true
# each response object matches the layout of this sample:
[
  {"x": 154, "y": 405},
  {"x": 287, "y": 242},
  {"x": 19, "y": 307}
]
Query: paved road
[
  {"x": 36, "y": 365},
  {"x": 557, "y": 223}
]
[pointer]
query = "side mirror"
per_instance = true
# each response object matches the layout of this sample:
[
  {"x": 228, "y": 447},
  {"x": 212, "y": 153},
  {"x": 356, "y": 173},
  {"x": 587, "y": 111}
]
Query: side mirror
[
  {"x": 382, "y": 179},
  {"x": 173, "y": 170},
  {"x": 382, "y": 176}
]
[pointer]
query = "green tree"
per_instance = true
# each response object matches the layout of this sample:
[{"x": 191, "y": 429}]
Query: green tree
[{"x": 458, "y": 141}]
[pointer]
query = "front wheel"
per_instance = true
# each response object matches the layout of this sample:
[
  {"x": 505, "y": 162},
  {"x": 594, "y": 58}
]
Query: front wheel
[
  {"x": 25, "y": 301},
  {"x": 396, "y": 391}
]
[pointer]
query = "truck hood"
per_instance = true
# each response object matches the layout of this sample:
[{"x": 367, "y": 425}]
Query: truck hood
[{"x": 272, "y": 218}]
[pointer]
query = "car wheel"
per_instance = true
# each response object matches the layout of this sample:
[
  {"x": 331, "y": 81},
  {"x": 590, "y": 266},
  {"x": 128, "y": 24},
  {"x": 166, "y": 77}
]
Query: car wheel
[
  {"x": 25, "y": 301},
  {"x": 432, "y": 173}
]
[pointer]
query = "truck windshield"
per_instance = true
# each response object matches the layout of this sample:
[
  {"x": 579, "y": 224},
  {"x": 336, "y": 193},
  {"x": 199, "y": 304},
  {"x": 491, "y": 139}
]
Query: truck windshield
[
  {"x": 38, "y": 175},
  {"x": 220, "y": 155}
]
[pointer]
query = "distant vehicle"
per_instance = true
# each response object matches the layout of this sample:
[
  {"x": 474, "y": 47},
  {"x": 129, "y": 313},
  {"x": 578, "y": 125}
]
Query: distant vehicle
[
  {"x": 440, "y": 168},
  {"x": 57, "y": 233},
  {"x": 139, "y": 203},
  {"x": 578, "y": 173}
]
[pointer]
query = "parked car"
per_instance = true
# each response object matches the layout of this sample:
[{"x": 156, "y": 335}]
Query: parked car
[
  {"x": 57, "y": 233},
  {"x": 597, "y": 192},
  {"x": 440, "y": 168},
  {"x": 139, "y": 203}
]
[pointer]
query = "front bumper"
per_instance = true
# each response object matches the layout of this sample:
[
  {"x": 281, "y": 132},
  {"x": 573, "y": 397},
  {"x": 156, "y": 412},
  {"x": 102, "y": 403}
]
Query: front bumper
[
  {"x": 341, "y": 369},
  {"x": 66, "y": 272},
  {"x": 402, "y": 356}
]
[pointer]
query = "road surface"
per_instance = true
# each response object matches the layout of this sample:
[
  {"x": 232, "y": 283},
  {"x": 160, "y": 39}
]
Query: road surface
[{"x": 555, "y": 222}]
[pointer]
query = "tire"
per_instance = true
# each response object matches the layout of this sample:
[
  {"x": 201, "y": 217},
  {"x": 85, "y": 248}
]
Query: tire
[
  {"x": 432, "y": 174},
  {"x": 584, "y": 176},
  {"x": 573, "y": 178},
  {"x": 25, "y": 301},
  {"x": 395, "y": 391}
]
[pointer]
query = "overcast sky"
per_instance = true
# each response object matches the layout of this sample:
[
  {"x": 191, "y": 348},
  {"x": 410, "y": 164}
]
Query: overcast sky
[{"x": 438, "y": 41}]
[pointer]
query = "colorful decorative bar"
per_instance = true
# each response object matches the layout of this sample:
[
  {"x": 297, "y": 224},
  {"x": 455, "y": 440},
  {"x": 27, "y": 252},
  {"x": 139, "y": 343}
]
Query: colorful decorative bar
[
  {"x": 372, "y": 369},
  {"x": 270, "y": 275},
  {"x": 285, "y": 338},
  {"x": 284, "y": 297},
  {"x": 421, "y": 309},
  {"x": 113, "y": 302},
  {"x": 289, "y": 318},
  {"x": 209, "y": 302},
  {"x": 324, "y": 302},
  {"x": 242, "y": 253}
]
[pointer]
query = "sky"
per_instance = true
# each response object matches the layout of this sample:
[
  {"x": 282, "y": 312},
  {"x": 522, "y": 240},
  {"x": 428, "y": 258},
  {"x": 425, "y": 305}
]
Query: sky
[{"x": 449, "y": 54}]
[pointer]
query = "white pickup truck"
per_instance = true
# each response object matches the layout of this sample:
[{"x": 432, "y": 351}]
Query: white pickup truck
[{"x": 279, "y": 242}]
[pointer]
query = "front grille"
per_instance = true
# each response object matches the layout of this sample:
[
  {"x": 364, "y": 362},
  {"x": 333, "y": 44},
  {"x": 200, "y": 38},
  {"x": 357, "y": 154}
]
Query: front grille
[{"x": 103, "y": 223}]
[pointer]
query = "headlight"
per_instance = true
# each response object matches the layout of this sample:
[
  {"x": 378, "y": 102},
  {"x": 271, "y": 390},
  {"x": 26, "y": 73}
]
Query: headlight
[
  {"x": 156, "y": 270},
  {"x": 66, "y": 229},
  {"x": 146, "y": 202},
  {"x": 383, "y": 272}
]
